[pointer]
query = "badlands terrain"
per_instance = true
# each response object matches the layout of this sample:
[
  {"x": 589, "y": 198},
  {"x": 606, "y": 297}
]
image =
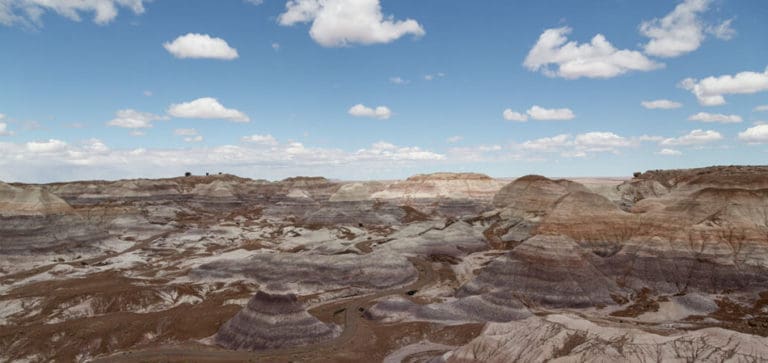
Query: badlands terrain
[{"x": 664, "y": 266}]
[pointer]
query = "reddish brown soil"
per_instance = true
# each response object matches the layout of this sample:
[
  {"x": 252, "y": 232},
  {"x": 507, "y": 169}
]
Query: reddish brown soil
[{"x": 643, "y": 303}]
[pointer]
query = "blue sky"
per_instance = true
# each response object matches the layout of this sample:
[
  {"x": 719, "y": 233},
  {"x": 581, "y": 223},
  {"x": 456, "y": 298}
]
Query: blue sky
[{"x": 130, "y": 88}]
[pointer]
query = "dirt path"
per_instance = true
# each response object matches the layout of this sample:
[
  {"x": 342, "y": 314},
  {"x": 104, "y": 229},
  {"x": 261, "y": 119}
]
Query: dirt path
[{"x": 352, "y": 317}]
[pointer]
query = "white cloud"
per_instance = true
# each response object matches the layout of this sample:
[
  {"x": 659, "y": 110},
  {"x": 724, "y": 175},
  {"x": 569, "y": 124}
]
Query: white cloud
[
  {"x": 380, "y": 112},
  {"x": 147, "y": 93},
  {"x": 558, "y": 114},
  {"x": 29, "y": 12},
  {"x": 679, "y": 32},
  {"x": 185, "y": 132},
  {"x": 255, "y": 2},
  {"x": 755, "y": 135},
  {"x": 398, "y": 80},
  {"x": 661, "y": 104},
  {"x": 57, "y": 160},
  {"x": 669, "y": 152},
  {"x": 600, "y": 141},
  {"x": 194, "y": 45},
  {"x": 597, "y": 59},
  {"x": 574, "y": 154},
  {"x": 260, "y": 139},
  {"x": 137, "y": 133},
  {"x": 761, "y": 108},
  {"x": 197, "y": 138},
  {"x": 715, "y": 117},
  {"x": 722, "y": 31},
  {"x": 50, "y": 146},
  {"x": 389, "y": 151},
  {"x": 132, "y": 119},
  {"x": 547, "y": 144},
  {"x": 651, "y": 138},
  {"x": 338, "y": 23},
  {"x": 276, "y": 46},
  {"x": 206, "y": 108},
  {"x": 695, "y": 137},
  {"x": 4, "y": 128},
  {"x": 432, "y": 77},
  {"x": 511, "y": 115},
  {"x": 454, "y": 139},
  {"x": 709, "y": 91}
]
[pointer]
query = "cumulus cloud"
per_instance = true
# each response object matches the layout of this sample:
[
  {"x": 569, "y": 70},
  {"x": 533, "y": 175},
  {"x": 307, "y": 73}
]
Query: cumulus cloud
[
  {"x": 547, "y": 144},
  {"x": 398, "y": 80},
  {"x": 695, "y": 137},
  {"x": 191, "y": 135},
  {"x": 715, "y": 117},
  {"x": 710, "y": 91},
  {"x": 185, "y": 132},
  {"x": 132, "y": 119},
  {"x": 29, "y": 12},
  {"x": 600, "y": 141},
  {"x": 755, "y": 135},
  {"x": 682, "y": 30},
  {"x": 194, "y": 45},
  {"x": 669, "y": 152},
  {"x": 390, "y": 151},
  {"x": 260, "y": 139},
  {"x": 206, "y": 108},
  {"x": 432, "y": 77},
  {"x": 50, "y": 146},
  {"x": 582, "y": 145},
  {"x": 545, "y": 114},
  {"x": 380, "y": 112},
  {"x": 454, "y": 139},
  {"x": 57, "y": 160},
  {"x": 511, "y": 115},
  {"x": 481, "y": 153},
  {"x": 761, "y": 108},
  {"x": 339, "y": 23},
  {"x": 4, "y": 128},
  {"x": 597, "y": 59},
  {"x": 661, "y": 104}
]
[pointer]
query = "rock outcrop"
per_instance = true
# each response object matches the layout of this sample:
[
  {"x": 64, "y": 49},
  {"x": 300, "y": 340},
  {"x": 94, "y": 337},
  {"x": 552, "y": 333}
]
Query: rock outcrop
[
  {"x": 35, "y": 221},
  {"x": 442, "y": 186},
  {"x": 30, "y": 201},
  {"x": 569, "y": 338},
  {"x": 272, "y": 321}
]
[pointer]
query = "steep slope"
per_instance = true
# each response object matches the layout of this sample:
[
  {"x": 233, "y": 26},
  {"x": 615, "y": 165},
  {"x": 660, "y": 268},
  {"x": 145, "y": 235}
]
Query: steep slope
[{"x": 272, "y": 321}]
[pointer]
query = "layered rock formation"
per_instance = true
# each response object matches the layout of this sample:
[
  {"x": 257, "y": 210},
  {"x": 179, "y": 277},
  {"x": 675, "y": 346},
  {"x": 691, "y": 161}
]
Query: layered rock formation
[
  {"x": 570, "y": 338},
  {"x": 30, "y": 201},
  {"x": 272, "y": 321},
  {"x": 313, "y": 273},
  {"x": 35, "y": 221},
  {"x": 442, "y": 186},
  {"x": 683, "y": 253}
]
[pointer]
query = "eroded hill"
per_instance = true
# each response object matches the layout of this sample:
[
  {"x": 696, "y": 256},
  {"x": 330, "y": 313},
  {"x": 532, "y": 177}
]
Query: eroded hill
[{"x": 668, "y": 265}]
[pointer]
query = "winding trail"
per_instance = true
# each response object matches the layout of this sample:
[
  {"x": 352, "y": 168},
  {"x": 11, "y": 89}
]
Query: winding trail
[{"x": 352, "y": 317}]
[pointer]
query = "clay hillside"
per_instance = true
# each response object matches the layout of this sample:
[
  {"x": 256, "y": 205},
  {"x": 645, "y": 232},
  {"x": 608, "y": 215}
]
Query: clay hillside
[{"x": 668, "y": 265}]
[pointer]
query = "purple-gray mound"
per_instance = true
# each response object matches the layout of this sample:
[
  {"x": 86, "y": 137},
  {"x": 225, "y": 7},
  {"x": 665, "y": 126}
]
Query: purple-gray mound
[{"x": 272, "y": 321}]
